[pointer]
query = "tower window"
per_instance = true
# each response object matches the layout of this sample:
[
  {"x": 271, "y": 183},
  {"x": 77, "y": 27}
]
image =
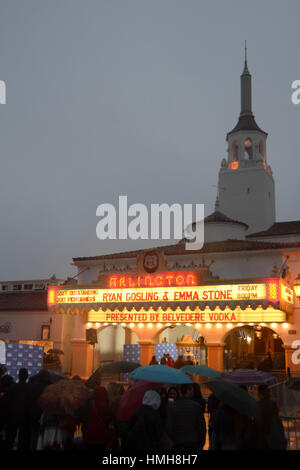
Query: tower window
[
  {"x": 235, "y": 151},
  {"x": 248, "y": 148}
]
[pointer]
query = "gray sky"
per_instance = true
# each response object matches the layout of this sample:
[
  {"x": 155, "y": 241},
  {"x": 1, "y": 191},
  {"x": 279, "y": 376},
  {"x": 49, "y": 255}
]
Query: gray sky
[{"x": 131, "y": 97}]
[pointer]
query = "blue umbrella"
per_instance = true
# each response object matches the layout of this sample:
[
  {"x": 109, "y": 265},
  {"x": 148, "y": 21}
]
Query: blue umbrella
[
  {"x": 201, "y": 370},
  {"x": 160, "y": 373}
]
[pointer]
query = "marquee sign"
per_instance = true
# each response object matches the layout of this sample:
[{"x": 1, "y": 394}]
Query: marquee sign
[{"x": 159, "y": 294}]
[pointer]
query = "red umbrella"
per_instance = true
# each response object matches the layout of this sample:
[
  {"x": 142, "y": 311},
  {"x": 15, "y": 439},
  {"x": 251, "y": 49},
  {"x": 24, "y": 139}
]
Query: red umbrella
[{"x": 132, "y": 399}]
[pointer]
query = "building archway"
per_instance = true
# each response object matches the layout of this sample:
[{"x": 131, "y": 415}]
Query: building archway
[
  {"x": 253, "y": 346},
  {"x": 111, "y": 341},
  {"x": 181, "y": 340}
]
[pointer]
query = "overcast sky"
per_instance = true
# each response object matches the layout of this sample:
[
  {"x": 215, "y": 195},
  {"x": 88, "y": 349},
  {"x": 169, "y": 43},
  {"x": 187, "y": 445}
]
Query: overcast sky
[{"x": 132, "y": 97}]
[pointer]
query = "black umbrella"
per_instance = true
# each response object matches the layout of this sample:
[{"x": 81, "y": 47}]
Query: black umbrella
[
  {"x": 120, "y": 367},
  {"x": 233, "y": 396}
]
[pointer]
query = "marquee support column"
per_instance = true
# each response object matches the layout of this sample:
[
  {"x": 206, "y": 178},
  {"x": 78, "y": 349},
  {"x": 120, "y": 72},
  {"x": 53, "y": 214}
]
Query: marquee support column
[
  {"x": 82, "y": 358},
  {"x": 147, "y": 350},
  {"x": 215, "y": 355},
  {"x": 292, "y": 356}
]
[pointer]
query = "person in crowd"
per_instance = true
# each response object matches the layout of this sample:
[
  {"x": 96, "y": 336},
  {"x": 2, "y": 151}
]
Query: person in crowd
[
  {"x": 170, "y": 362},
  {"x": 232, "y": 430},
  {"x": 212, "y": 407},
  {"x": 36, "y": 386},
  {"x": 180, "y": 362},
  {"x": 164, "y": 360},
  {"x": 6, "y": 382},
  {"x": 189, "y": 361},
  {"x": 153, "y": 361},
  {"x": 198, "y": 397},
  {"x": 115, "y": 392},
  {"x": 270, "y": 431},
  {"x": 97, "y": 431},
  {"x": 56, "y": 432},
  {"x": 18, "y": 413},
  {"x": 172, "y": 394},
  {"x": 145, "y": 429},
  {"x": 168, "y": 397},
  {"x": 185, "y": 422},
  {"x": 225, "y": 430}
]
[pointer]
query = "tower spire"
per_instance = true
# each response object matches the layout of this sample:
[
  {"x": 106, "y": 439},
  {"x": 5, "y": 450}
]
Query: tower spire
[{"x": 246, "y": 92}]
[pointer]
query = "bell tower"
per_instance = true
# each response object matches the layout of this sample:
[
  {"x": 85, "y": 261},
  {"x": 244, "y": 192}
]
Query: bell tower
[{"x": 246, "y": 185}]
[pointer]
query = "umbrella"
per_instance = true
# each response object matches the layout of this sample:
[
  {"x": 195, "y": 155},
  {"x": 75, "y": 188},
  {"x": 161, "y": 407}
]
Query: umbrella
[
  {"x": 132, "y": 399},
  {"x": 162, "y": 374},
  {"x": 232, "y": 395},
  {"x": 50, "y": 376},
  {"x": 201, "y": 370},
  {"x": 248, "y": 377},
  {"x": 55, "y": 351},
  {"x": 113, "y": 368},
  {"x": 65, "y": 397}
]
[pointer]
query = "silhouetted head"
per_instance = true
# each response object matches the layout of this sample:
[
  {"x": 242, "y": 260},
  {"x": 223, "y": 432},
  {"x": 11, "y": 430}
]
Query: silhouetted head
[
  {"x": 187, "y": 390},
  {"x": 23, "y": 375},
  {"x": 264, "y": 392}
]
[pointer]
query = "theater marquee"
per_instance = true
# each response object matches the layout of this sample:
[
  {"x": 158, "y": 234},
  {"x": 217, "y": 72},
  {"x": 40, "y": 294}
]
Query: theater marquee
[{"x": 162, "y": 297}]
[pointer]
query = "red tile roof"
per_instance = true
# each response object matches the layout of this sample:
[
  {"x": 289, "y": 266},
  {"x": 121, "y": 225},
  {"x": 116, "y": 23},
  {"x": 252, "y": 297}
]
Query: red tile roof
[
  {"x": 279, "y": 228},
  {"x": 215, "y": 247},
  {"x": 23, "y": 301}
]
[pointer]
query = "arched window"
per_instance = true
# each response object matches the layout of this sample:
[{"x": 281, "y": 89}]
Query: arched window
[
  {"x": 248, "y": 147},
  {"x": 235, "y": 151}
]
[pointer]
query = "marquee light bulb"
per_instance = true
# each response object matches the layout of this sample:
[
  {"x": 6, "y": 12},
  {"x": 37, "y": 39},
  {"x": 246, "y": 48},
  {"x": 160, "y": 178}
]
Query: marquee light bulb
[
  {"x": 285, "y": 325},
  {"x": 274, "y": 325},
  {"x": 208, "y": 325},
  {"x": 219, "y": 325},
  {"x": 89, "y": 325},
  {"x": 141, "y": 325},
  {"x": 131, "y": 325},
  {"x": 97, "y": 325}
]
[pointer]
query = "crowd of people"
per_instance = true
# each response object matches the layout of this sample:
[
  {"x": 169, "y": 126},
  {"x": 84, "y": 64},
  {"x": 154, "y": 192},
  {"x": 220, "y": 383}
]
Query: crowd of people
[
  {"x": 172, "y": 418},
  {"x": 167, "y": 360}
]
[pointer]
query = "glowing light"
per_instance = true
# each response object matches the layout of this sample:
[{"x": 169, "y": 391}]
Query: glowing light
[
  {"x": 251, "y": 324},
  {"x": 105, "y": 324},
  {"x": 131, "y": 325},
  {"x": 122, "y": 324},
  {"x": 285, "y": 325},
  {"x": 229, "y": 325},
  {"x": 168, "y": 324},
  {"x": 208, "y": 325},
  {"x": 141, "y": 325},
  {"x": 178, "y": 324},
  {"x": 198, "y": 325},
  {"x": 159, "y": 325},
  {"x": 262, "y": 324},
  {"x": 97, "y": 325},
  {"x": 150, "y": 325},
  {"x": 89, "y": 325},
  {"x": 274, "y": 325},
  {"x": 219, "y": 325},
  {"x": 188, "y": 324},
  {"x": 297, "y": 290},
  {"x": 240, "y": 324},
  {"x": 249, "y": 339},
  {"x": 114, "y": 324}
]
